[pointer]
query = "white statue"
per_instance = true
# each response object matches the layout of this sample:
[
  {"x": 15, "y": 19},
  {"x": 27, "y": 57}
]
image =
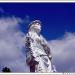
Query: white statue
[{"x": 38, "y": 55}]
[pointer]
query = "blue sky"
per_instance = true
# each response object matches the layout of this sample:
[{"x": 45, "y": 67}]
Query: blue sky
[
  {"x": 56, "y": 17},
  {"x": 58, "y": 27}
]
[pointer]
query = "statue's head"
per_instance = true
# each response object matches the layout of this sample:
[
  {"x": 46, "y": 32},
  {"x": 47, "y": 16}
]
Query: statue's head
[{"x": 35, "y": 26}]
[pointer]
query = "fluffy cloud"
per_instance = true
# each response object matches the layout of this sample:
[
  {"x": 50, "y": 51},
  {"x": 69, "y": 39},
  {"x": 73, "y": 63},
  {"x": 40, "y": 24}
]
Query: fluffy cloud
[
  {"x": 63, "y": 52},
  {"x": 11, "y": 45}
]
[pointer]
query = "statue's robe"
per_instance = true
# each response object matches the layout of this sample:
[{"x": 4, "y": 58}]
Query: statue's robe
[{"x": 38, "y": 55}]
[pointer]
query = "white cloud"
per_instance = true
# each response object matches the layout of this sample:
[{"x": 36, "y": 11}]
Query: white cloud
[
  {"x": 63, "y": 52},
  {"x": 11, "y": 45}
]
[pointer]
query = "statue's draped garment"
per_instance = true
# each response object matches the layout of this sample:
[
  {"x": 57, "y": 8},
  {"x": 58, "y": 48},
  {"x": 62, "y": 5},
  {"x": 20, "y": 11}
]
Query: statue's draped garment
[{"x": 38, "y": 54}]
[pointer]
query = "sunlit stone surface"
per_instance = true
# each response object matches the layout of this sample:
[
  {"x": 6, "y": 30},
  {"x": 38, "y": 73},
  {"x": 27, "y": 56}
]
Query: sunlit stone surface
[{"x": 38, "y": 55}]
